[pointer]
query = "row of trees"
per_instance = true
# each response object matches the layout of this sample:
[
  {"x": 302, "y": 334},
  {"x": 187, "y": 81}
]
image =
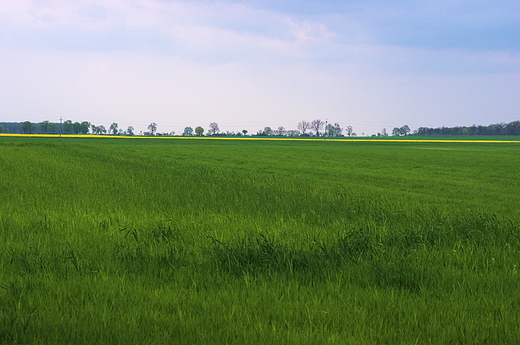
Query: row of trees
[
  {"x": 398, "y": 131},
  {"x": 213, "y": 130},
  {"x": 318, "y": 128},
  {"x": 47, "y": 127},
  {"x": 511, "y": 128},
  {"x": 69, "y": 127},
  {"x": 304, "y": 128}
]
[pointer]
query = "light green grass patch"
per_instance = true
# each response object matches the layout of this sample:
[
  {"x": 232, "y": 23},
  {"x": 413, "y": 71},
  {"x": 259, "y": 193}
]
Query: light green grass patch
[{"x": 245, "y": 242}]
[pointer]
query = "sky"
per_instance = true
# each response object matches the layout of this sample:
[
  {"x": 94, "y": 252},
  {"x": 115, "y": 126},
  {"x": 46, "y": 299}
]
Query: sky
[{"x": 369, "y": 64}]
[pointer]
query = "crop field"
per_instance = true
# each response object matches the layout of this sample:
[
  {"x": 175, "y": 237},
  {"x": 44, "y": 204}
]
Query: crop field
[{"x": 204, "y": 241}]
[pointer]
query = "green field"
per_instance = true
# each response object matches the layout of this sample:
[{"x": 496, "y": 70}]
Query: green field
[{"x": 171, "y": 241}]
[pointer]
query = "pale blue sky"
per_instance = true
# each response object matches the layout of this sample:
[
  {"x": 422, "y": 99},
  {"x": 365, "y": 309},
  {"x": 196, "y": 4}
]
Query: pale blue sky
[{"x": 370, "y": 64}]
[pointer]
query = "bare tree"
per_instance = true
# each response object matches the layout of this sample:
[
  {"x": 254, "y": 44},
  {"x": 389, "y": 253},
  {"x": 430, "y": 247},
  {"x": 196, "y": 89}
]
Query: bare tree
[
  {"x": 303, "y": 126},
  {"x": 317, "y": 125},
  {"x": 349, "y": 130},
  {"x": 152, "y": 127},
  {"x": 213, "y": 128}
]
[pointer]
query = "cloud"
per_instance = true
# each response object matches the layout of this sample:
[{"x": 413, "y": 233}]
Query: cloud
[
  {"x": 255, "y": 63},
  {"x": 224, "y": 30}
]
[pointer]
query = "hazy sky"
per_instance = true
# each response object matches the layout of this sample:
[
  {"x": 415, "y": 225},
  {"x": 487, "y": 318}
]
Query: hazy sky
[{"x": 371, "y": 64}]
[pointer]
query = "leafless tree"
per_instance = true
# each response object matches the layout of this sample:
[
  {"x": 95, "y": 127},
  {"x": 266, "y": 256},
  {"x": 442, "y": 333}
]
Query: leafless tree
[
  {"x": 317, "y": 125},
  {"x": 303, "y": 126},
  {"x": 349, "y": 130}
]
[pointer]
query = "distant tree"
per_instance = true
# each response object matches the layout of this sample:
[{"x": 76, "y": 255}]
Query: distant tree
[
  {"x": 76, "y": 127},
  {"x": 333, "y": 130},
  {"x": 499, "y": 128},
  {"x": 102, "y": 129},
  {"x": 44, "y": 127},
  {"x": 188, "y": 131},
  {"x": 130, "y": 130},
  {"x": 405, "y": 130},
  {"x": 317, "y": 125},
  {"x": 68, "y": 127},
  {"x": 53, "y": 128},
  {"x": 84, "y": 127},
  {"x": 268, "y": 131},
  {"x": 384, "y": 133},
  {"x": 349, "y": 130},
  {"x": 114, "y": 128},
  {"x": 244, "y": 131},
  {"x": 27, "y": 127},
  {"x": 396, "y": 131},
  {"x": 280, "y": 131},
  {"x": 2, "y": 129},
  {"x": 329, "y": 130},
  {"x": 339, "y": 130},
  {"x": 513, "y": 128},
  {"x": 199, "y": 131},
  {"x": 303, "y": 126},
  {"x": 213, "y": 128},
  {"x": 152, "y": 127}
]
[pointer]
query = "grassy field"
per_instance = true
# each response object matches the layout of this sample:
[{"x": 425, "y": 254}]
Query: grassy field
[{"x": 244, "y": 241}]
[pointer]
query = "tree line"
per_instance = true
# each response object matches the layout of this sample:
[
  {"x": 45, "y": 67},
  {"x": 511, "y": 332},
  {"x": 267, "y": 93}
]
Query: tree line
[
  {"x": 69, "y": 127},
  {"x": 511, "y": 128},
  {"x": 315, "y": 128},
  {"x": 304, "y": 129}
]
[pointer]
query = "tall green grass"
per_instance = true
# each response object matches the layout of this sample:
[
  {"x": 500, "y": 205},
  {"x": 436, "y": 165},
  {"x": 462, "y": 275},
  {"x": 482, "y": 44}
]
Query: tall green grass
[{"x": 245, "y": 242}]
